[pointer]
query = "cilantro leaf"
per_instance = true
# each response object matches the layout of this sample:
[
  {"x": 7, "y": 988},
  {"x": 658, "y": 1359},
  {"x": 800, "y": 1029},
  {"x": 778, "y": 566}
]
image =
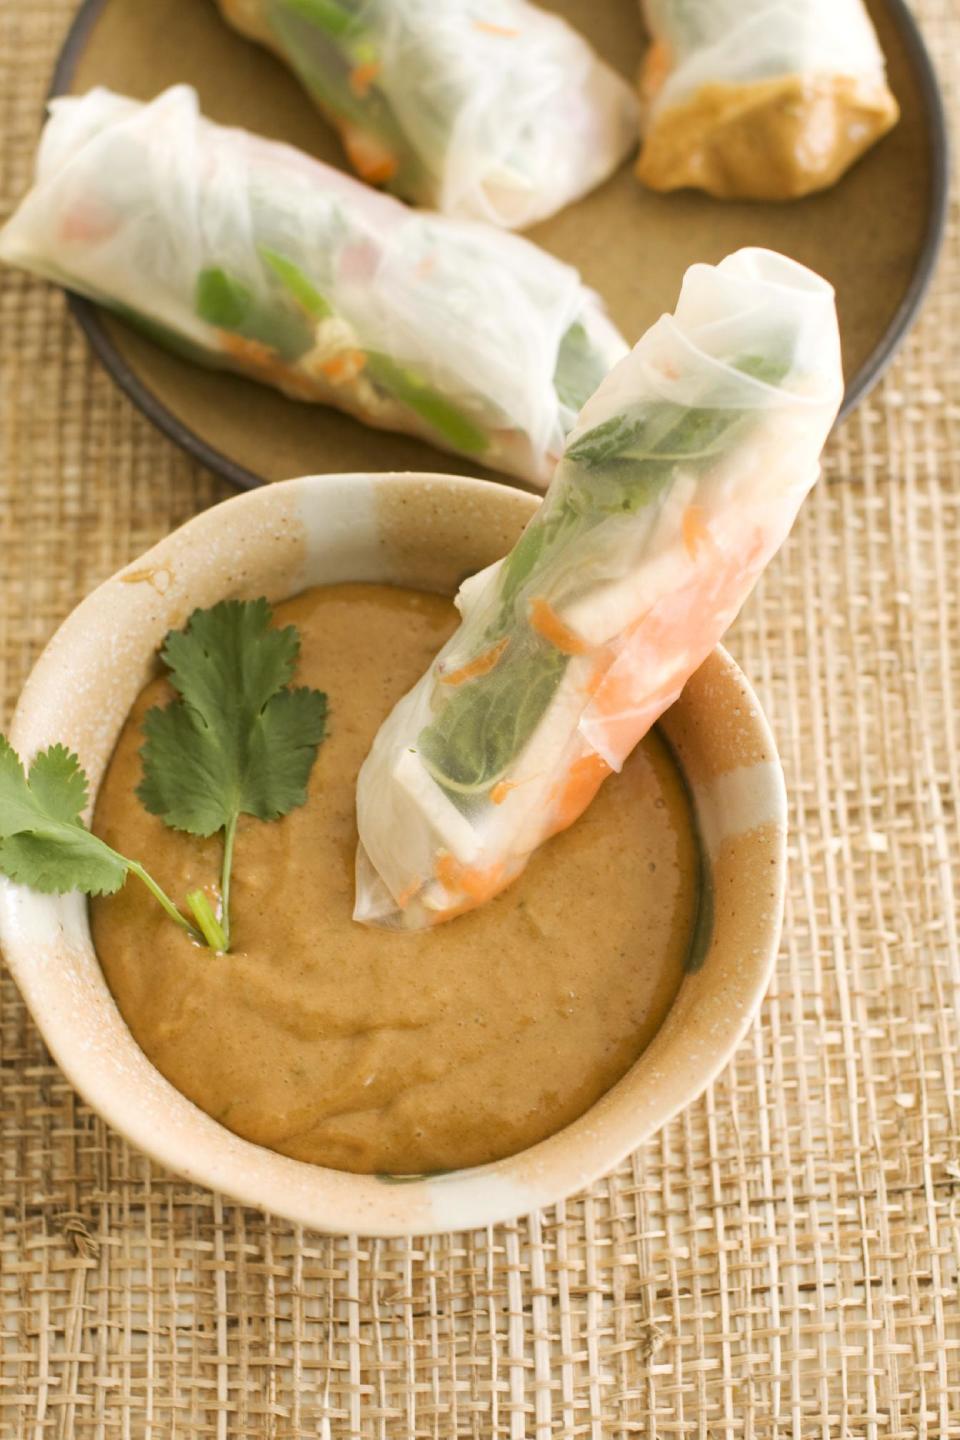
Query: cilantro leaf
[
  {"x": 54, "y": 864},
  {"x": 58, "y": 783},
  {"x": 282, "y": 751},
  {"x": 43, "y": 842},
  {"x": 237, "y": 741}
]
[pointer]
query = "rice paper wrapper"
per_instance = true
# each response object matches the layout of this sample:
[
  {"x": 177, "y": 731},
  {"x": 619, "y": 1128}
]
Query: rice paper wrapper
[
  {"x": 494, "y": 111},
  {"x": 678, "y": 484},
  {"x": 247, "y": 254},
  {"x": 735, "y": 42}
]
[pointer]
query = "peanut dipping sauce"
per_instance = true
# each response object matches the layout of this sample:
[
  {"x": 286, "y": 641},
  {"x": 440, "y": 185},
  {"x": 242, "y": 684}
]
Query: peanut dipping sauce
[
  {"x": 376, "y": 1051},
  {"x": 775, "y": 139}
]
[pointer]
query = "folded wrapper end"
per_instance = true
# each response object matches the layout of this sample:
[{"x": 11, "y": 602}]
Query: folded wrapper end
[{"x": 374, "y": 905}]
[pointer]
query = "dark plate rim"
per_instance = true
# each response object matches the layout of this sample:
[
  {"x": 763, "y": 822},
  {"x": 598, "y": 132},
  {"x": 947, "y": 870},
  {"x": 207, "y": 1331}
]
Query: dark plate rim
[{"x": 91, "y": 318}]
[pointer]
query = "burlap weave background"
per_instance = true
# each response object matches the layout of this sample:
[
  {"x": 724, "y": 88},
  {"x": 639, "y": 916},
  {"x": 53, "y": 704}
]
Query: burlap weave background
[{"x": 783, "y": 1259}]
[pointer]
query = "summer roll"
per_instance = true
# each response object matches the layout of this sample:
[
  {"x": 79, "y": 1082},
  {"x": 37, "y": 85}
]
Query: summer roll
[
  {"x": 681, "y": 479},
  {"x": 246, "y": 254},
  {"x": 759, "y": 99},
  {"x": 495, "y": 111}
]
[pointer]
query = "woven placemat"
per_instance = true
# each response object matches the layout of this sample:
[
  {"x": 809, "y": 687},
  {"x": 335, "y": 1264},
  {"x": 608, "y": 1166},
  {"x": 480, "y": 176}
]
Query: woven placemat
[{"x": 782, "y": 1260}]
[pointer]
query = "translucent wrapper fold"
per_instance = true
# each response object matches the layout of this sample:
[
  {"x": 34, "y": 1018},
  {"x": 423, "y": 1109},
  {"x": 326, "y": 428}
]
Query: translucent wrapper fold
[
  {"x": 678, "y": 484},
  {"x": 761, "y": 99},
  {"x": 493, "y": 111},
  {"x": 245, "y": 254}
]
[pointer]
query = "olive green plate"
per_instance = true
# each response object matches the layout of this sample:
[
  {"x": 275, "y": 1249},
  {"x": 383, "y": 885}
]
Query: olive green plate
[{"x": 875, "y": 235}]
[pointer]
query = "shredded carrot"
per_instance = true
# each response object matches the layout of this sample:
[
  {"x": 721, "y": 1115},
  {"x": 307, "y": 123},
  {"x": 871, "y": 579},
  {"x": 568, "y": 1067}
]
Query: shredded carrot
[
  {"x": 477, "y": 885},
  {"x": 254, "y": 356},
  {"x": 481, "y": 665},
  {"x": 252, "y": 352},
  {"x": 447, "y": 869},
  {"x": 545, "y": 620},
  {"x": 599, "y": 675},
  {"x": 362, "y": 77},
  {"x": 405, "y": 896},
  {"x": 582, "y": 782},
  {"x": 501, "y": 790},
  {"x": 696, "y": 532},
  {"x": 657, "y": 64},
  {"x": 489, "y": 28},
  {"x": 344, "y": 366},
  {"x": 370, "y": 158}
]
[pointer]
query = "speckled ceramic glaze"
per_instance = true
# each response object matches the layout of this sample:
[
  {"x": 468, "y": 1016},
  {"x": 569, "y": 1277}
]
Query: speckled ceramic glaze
[{"x": 427, "y": 531}]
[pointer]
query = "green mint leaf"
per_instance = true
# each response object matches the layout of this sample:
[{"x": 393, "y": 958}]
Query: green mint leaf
[
  {"x": 297, "y": 283},
  {"x": 222, "y": 300},
  {"x": 230, "y": 304},
  {"x": 326, "y": 15},
  {"x": 405, "y": 385},
  {"x": 43, "y": 842},
  {"x": 488, "y": 721},
  {"x": 237, "y": 741},
  {"x": 617, "y": 467},
  {"x": 579, "y": 369}
]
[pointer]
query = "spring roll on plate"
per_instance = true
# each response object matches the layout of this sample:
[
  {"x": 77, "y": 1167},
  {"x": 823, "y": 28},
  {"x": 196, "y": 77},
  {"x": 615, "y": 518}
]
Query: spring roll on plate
[
  {"x": 246, "y": 254},
  {"x": 678, "y": 484},
  {"x": 760, "y": 99},
  {"x": 486, "y": 109}
]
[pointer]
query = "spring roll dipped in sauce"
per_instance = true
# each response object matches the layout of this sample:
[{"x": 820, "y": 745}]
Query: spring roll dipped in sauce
[
  {"x": 680, "y": 481},
  {"x": 759, "y": 99},
  {"x": 248, "y": 255},
  {"x": 485, "y": 109}
]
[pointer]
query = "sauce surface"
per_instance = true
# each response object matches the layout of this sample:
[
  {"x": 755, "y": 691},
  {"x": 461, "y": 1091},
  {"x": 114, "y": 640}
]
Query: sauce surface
[
  {"x": 377, "y": 1051},
  {"x": 773, "y": 139}
]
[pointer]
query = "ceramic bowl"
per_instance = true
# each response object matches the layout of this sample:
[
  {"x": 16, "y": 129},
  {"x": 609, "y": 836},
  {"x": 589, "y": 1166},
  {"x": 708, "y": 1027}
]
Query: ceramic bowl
[{"x": 427, "y": 531}]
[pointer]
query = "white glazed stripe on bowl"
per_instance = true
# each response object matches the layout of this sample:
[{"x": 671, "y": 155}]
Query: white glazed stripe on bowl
[{"x": 411, "y": 529}]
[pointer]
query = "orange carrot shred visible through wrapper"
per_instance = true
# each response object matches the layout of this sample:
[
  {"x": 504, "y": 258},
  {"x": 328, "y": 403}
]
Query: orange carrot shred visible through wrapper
[
  {"x": 696, "y": 532},
  {"x": 613, "y": 601},
  {"x": 546, "y": 622},
  {"x": 482, "y": 665},
  {"x": 489, "y": 28},
  {"x": 363, "y": 76},
  {"x": 368, "y": 155}
]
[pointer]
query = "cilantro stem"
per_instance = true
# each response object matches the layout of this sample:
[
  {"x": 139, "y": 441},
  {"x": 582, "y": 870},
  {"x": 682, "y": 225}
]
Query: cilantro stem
[
  {"x": 229, "y": 836},
  {"x": 203, "y": 912},
  {"x": 159, "y": 895}
]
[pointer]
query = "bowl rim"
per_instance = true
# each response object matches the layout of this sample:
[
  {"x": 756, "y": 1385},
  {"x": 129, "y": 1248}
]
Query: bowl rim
[
  {"x": 490, "y": 1196},
  {"x": 91, "y": 317}
]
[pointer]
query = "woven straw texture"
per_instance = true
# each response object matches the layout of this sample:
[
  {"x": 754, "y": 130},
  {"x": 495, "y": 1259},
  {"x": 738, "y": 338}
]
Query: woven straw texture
[{"x": 783, "y": 1259}]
